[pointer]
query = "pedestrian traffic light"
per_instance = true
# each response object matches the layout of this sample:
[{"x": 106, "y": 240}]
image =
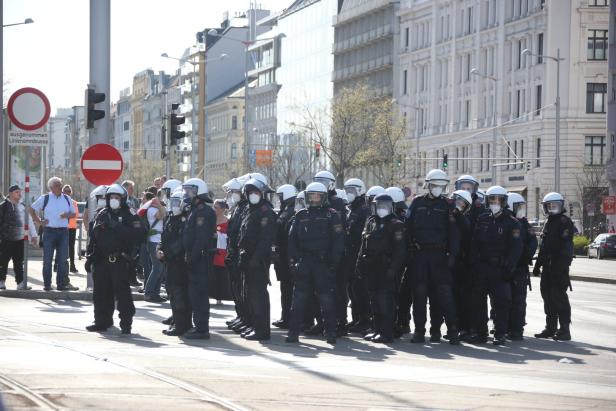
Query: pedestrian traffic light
[
  {"x": 317, "y": 150},
  {"x": 92, "y": 114},
  {"x": 445, "y": 161},
  {"x": 176, "y": 134}
]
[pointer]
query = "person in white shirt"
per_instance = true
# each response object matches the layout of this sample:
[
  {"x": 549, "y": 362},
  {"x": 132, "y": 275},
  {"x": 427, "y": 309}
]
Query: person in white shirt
[
  {"x": 56, "y": 209},
  {"x": 155, "y": 215}
]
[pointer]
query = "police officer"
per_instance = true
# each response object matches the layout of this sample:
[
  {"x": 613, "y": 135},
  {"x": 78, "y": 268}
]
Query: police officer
[
  {"x": 342, "y": 298},
  {"x": 115, "y": 232},
  {"x": 555, "y": 255},
  {"x": 198, "y": 237},
  {"x": 434, "y": 244},
  {"x": 316, "y": 243},
  {"x": 462, "y": 202},
  {"x": 495, "y": 251},
  {"x": 286, "y": 195},
  {"x": 373, "y": 192},
  {"x": 171, "y": 253},
  {"x": 381, "y": 258},
  {"x": 471, "y": 185},
  {"x": 256, "y": 237},
  {"x": 356, "y": 220},
  {"x": 521, "y": 280},
  {"x": 238, "y": 204}
]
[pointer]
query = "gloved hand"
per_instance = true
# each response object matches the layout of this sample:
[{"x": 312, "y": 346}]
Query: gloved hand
[
  {"x": 88, "y": 265},
  {"x": 537, "y": 270}
]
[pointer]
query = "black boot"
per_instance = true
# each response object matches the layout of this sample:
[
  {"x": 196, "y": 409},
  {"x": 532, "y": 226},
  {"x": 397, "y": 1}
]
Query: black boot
[
  {"x": 96, "y": 328},
  {"x": 562, "y": 334},
  {"x": 292, "y": 337},
  {"x": 418, "y": 338},
  {"x": 546, "y": 333}
]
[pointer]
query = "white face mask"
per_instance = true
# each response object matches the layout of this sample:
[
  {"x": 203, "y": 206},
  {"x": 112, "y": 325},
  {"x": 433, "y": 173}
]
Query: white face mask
[
  {"x": 350, "y": 197},
  {"x": 176, "y": 210},
  {"x": 234, "y": 198},
  {"x": 101, "y": 202},
  {"x": 495, "y": 208},
  {"x": 520, "y": 214},
  {"x": 436, "y": 191},
  {"x": 114, "y": 203},
  {"x": 254, "y": 198},
  {"x": 381, "y": 212}
]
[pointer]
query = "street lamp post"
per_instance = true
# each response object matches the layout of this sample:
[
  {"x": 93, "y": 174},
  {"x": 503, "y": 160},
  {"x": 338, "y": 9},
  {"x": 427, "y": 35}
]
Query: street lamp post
[
  {"x": 476, "y": 72},
  {"x": 416, "y": 109},
  {"x": 557, "y": 59}
]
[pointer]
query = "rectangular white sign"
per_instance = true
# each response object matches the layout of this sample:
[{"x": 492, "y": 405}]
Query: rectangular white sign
[{"x": 28, "y": 138}]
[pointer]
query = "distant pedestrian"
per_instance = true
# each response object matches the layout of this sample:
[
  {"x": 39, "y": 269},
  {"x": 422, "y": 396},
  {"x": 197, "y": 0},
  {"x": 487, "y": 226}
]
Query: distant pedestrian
[
  {"x": 56, "y": 209},
  {"x": 221, "y": 285},
  {"x": 131, "y": 201},
  {"x": 72, "y": 229},
  {"x": 155, "y": 213},
  {"x": 612, "y": 230},
  {"x": 12, "y": 215}
]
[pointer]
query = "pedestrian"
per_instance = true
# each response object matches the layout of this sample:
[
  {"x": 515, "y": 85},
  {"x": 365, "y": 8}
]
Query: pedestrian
[
  {"x": 56, "y": 209},
  {"x": 381, "y": 258},
  {"x": 12, "y": 226},
  {"x": 555, "y": 256},
  {"x": 94, "y": 204},
  {"x": 197, "y": 239},
  {"x": 434, "y": 244},
  {"x": 495, "y": 250},
  {"x": 131, "y": 201},
  {"x": 256, "y": 237},
  {"x": 316, "y": 244},
  {"x": 171, "y": 253},
  {"x": 220, "y": 288},
  {"x": 612, "y": 229},
  {"x": 72, "y": 229},
  {"x": 114, "y": 234},
  {"x": 145, "y": 264},
  {"x": 154, "y": 213},
  {"x": 286, "y": 196}
]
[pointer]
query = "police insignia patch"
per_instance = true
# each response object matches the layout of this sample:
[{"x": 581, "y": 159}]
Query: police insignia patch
[
  {"x": 516, "y": 233},
  {"x": 263, "y": 221},
  {"x": 398, "y": 235},
  {"x": 338, "y": 228},
  {"x": 137, "y": 224},
  {"x": 566, "y": 233},
  {"x": 200, "y": 220}
]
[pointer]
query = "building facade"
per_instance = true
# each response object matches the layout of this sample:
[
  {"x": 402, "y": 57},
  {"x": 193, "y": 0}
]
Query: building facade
[
  {"x": 472, "y": 92},
  {"x": 611, "y": 110}
]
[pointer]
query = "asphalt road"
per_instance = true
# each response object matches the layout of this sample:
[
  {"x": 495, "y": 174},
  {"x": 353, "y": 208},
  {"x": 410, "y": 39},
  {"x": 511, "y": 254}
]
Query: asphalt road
[{"x": 48, "y": 361}]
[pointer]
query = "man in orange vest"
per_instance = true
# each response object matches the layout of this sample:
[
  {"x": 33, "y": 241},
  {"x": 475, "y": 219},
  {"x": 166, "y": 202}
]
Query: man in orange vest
[{"x": 72, "y": 229}]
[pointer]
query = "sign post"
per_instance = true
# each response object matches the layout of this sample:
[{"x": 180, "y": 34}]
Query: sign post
[
  {"x": 29, "y": 110},
  {"x": 609, "y": 205}
]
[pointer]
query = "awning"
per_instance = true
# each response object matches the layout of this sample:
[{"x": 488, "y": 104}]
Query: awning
[{"x": 516, "y": 189}]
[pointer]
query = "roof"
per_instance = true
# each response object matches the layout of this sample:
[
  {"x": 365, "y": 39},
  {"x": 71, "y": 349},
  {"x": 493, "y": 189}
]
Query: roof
[
  {"x": 297, "y": 5},
  {"x": 231, "y": 92}
]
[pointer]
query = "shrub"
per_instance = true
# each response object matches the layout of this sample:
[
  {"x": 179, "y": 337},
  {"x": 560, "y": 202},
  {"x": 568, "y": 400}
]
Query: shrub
[{"x": 580, "y": 244}]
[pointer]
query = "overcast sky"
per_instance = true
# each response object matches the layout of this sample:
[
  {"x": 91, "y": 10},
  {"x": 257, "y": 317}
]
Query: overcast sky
[{"x": 52, "y": 54}]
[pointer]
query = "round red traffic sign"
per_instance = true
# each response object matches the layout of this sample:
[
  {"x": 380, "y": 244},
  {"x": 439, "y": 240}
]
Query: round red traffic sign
[
  {"x": 102, "y": 164},
  {"x": 28, "y": 108}
]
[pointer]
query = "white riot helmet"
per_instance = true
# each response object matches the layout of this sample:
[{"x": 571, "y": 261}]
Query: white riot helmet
[
  {"x": 553, "y": 203},
  {"x": 195, "y": 188},
  {"x": 242, "y": 179},
  {"x": 98, "y": 195},
  {"x": 463, "y": 200},
  {"x": 340, "y": 193},
  {"x": 468, "y": 183},
  {"x": 255, "y": 190},
  {"x": 496, "y": 198},
  {"x": 316, "y": 195},
  {"x": 326, "y": 178},
  {"x": 176, "y": 203},
  {"x": 481, "y": 195},
  {"x": 516, "y": 204},
  {"x": 383, "y": 205},
  {"x": 397, "y": 196},
  {"x": 260, "y": 177},
  {"x": 300, "y": 201},
  {"x": 354, "y": 188},
  {"x": 233, "y": 188},
  {"x": 169, "y": 187},
  {"x": 436, "y": 182},
  {"x": 286, "y": 192},
  {"x": 373, "y": 192},
  {"x": 116, "y": 190}
]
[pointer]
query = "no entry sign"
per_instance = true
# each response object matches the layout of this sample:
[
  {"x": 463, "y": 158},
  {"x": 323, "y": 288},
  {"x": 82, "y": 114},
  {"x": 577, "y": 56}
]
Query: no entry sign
[
  {"x": 29, "y": 110},
  {"x": 102, "y": 164}
]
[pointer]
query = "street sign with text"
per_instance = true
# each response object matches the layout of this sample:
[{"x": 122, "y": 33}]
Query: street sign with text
[
  {"x": 29, "y": 110},
  {"x": 609, "y": 205}
]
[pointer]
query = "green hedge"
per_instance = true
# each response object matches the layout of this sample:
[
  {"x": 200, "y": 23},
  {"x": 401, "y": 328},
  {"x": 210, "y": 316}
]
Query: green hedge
[{"x": 580, "y": 244}]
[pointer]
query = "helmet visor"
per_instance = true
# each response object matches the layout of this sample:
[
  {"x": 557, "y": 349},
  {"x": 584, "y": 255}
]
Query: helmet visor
[
  {"x": 461, "y": 204},
  {"x": 519, "y": 209},
  {"x": 466, "y": 186},
  {"x": 175, "y": 202},
  {"x": 315, "y": 199},
  {"x": 325, "y": 181},
  {"x": 351, "y": 190},
  {"x": 190, "y": 192},
  {"x": 553, "y": 207}
]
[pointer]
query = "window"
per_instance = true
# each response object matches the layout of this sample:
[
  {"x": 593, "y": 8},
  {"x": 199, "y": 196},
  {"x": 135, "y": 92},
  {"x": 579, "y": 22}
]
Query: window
[
  {"x": 598, "y": 3},
  {"x": 538, "y": 153},
  {"x": 126, "y": 125},
  {"x": 233, "y": 151},
  {"x": 467, "y": 70},
  {"x": 597, "y": 44},
  {"x": 467, "y": 108},
  {"x": 595, "y": 97},
  {"x": 126, "y": 145},
  {"x": 406, "y": 37},
  {"x": 538, "y": 100},
  {"x": 520, "y": 48},
  {"x": 233, "y": 122},
  {"x": 404, "y": 81},
  {"x": 518, "y": 103},
  {"x": 521, "y": 154},
  {"x": 594, "y": 150},
  {"x": 488, "y": 157},
  {"x": 481, "y": 157},
  {"x": 613, "y": 146},
  {"x": 539, "y": 48}
]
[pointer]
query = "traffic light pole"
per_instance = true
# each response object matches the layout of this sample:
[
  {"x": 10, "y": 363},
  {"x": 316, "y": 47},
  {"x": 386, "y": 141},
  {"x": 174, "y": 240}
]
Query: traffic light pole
[{"x": 100, "y": 18}]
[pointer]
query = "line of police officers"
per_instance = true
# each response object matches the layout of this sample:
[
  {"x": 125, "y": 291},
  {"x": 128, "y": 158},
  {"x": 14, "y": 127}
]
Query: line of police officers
[{"x": 329, "y": 248}]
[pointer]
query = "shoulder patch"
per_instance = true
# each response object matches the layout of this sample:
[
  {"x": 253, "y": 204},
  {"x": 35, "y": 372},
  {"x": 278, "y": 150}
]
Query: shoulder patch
[
  {"x": 516, "y": 233},
  {"x": 398, "y": 235},
  {"x": 338, "y": 228},
  {"x": 264, "y": 221},
  {"x": 137, "y": 224},
  {"x": 200, "y": 221}
]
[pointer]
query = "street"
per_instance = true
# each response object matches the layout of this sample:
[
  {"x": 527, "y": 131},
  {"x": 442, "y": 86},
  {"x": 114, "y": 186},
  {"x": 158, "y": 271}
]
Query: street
[{"x": 49, "y": 361}]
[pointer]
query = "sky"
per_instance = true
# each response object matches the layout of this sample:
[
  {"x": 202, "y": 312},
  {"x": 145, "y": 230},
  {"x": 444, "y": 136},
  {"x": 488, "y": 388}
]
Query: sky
[{"x": 52, "y": 54}]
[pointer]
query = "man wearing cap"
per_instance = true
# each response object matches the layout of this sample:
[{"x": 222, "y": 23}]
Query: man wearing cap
[{"x": 12, "y": 216}]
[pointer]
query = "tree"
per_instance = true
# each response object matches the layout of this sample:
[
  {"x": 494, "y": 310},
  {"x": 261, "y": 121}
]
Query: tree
[
  {"x": 143, "y": 171},
  {"x": 291, "y": 159},
  {"x": 591, "y": 187}
]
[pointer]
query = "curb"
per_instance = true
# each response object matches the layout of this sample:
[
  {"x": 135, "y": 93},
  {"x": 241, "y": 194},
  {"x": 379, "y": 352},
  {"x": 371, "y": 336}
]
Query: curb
[
  {"x": 56, "y": 295},
  {"x": 588, "y": 279}
]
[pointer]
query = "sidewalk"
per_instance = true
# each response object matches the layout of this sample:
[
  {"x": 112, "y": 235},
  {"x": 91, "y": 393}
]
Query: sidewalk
[{"x": 35, "y": 280}]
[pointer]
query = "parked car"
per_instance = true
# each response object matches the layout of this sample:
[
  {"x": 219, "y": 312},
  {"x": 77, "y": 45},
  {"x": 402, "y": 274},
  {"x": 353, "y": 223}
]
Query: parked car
[{"x": 603, "y": 246}]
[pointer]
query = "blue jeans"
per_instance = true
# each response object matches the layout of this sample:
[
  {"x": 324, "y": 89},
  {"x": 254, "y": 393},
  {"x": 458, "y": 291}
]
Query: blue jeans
[
  {"x": 152, "y": 286},
  {"x": 55, "y": 240}
]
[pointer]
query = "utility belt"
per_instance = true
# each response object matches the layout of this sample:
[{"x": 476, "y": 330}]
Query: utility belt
[{"x": 115, "y": 257}]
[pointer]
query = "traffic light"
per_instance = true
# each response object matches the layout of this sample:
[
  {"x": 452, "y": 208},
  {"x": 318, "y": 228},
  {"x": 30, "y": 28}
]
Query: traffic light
[
  {"x": 528, "y": 166},
  {"x": 317, "y": 150},
  {"x": 92, "y": 114},
  {"x": 399, "y": 160},
  {"x": 445, "y": 161},
  {"x": 175, "y": 121}
]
